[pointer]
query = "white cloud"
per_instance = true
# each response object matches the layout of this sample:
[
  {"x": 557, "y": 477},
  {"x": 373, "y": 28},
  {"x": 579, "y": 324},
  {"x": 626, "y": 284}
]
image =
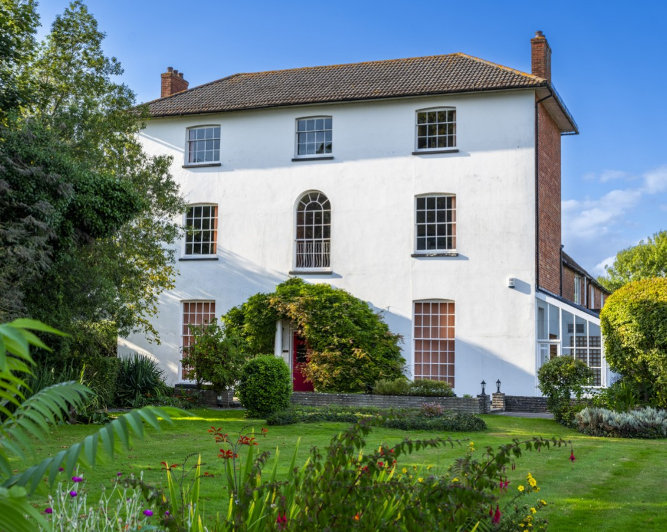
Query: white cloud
[
  {"x": 655, "y": 181},
  {"x": 606, "y": 175},
  {"x": 599, "y": 268},
  {"x": 590, "y": 218}
]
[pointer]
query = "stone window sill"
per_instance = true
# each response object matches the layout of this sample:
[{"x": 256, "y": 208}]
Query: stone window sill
[
  {"x": 311, "y": 272},
  {"x": 440, "y": 254},
  {"x": 435, "y": 152},
  {"x": 185, "y": 259},
  {"x": 207, "y": 165},
  {"x": 302, "y": 159}
]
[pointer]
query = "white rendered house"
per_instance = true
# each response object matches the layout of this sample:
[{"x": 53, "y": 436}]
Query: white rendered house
[{"x": 428, "y": 187}]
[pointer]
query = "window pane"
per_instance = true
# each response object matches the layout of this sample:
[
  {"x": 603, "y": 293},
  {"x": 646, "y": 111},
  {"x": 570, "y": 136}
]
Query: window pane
[{"x": 434, "y": 341}]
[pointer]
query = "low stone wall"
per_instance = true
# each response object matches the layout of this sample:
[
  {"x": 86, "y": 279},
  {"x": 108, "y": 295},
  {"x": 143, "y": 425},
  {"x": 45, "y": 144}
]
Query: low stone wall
[
  {"x": 207, "y": 397},
  {"x": 519, "y": 403},
  {"x": 472, "y": 405}
]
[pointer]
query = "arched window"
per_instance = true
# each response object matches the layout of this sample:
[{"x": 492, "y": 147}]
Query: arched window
[
  {"x": 434, "y": 340},
  {"x": 313, "y": 232}
]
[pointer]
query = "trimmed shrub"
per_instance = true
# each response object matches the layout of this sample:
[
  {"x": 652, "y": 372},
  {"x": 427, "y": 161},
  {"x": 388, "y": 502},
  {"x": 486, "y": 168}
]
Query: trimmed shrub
[
  {"x": 138, "y": 376},
  {"x": 422, "y": 387},
  {"x": 265, "y": 386},
  {"x": 400, "y": 386},
  {"x": 644, "y": 423},
  {"x": 429, "y": 388},
  {"x": 634, "y": 327},
  {"x": 403, "y": 418},
  {"x": 447, "y": 422},
  {"x": 431, "y": 410},
  {"x": 561, "y": 379}
]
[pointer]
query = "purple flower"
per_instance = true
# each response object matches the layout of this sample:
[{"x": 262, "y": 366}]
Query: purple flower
[
  {"x": 73, "y": 493},
  {"x": 167, "y": 513},
  {"x": 148, "y": 513},
  {"x": 48, "y": 510},
  {"x": 119, "y": 474},
  {"x": 77, "y": 479},
  {"x": 61, "y": 469}
]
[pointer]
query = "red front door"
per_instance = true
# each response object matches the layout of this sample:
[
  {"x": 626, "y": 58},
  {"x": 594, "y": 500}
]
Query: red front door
[{"x": 299, "y": 359}]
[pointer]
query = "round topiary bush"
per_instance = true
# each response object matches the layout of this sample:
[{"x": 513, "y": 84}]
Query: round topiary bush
[
  {"x": 265, "y": 386},
  {"x": 634, "y": 327}
]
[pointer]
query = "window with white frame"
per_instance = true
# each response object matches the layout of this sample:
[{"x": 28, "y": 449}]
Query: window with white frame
[
  {"x": 435, "y": 216},
  {"x": 434, "y": 333},
  {"x": 560, "y": 332},
  {"x": 436, "y": 128},
  {"x": 201, "y": 230},
  {"x": 577, "y": 289},
  {"x": 313, "y": 232},
  {"x": 313, "y": 136},
  {"x": 591, "y": 301},
  {"x": 203, "y": 145},
  {"x": 195, "y": 313}
]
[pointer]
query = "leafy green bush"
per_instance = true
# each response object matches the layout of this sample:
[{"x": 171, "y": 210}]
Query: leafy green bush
[
  {"x": 621, "y": 396},
  {"x": 138, "y": 376},
  {"x": 634, "y": 327},
  {"x": 265, "y": 386},
  {"x": 214, "y": 357},
  {"x": 350, "y": 347},
  {"x": 430, "y": 388},
  {"x": 399, "y": 386},
  {"x": 313, "y": 414},
  {"x": 644, "y": 423},
  {"x": 561, "y": 379},
  {"x": 100, "y": 374}
]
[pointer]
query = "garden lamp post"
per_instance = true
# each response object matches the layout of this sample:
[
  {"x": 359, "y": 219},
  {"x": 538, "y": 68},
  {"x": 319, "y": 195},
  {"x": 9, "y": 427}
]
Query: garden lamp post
[
  {"x": 498, "y": 385},
  {"x": 483, "y": 385}
]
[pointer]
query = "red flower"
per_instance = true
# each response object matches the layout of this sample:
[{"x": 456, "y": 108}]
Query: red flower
[
  {"x": 281, "y": 520},
  {"x": 496, "y": 516},
  {"x": 380, "y": 464},
  {"x": 227, "y": 454},
  {"x": 572, "y": 458}
]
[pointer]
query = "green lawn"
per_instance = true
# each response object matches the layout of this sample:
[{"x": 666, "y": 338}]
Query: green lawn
[{"x": 614, "y": 484}]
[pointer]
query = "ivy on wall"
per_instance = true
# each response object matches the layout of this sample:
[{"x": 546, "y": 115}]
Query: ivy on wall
[{"x": 350, "y": 347}]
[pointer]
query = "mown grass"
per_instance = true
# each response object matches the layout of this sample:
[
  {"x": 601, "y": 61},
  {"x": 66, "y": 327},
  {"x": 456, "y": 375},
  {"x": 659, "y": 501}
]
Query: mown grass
[{"x": 614, "y": 484}]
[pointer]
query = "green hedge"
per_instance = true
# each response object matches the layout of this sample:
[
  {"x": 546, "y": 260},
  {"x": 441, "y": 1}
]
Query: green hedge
[
  {"x": 634, "y": 327},
  {"x": 265, "y": 386},
  {"x": 421, "y": 388},
  {"x": 403, "y": 418}
]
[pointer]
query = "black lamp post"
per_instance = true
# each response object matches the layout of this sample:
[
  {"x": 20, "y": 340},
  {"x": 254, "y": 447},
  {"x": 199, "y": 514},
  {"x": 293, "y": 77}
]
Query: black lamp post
[
  {"x": 483, "y": 390},
  {"x": 498, "y": 385}
]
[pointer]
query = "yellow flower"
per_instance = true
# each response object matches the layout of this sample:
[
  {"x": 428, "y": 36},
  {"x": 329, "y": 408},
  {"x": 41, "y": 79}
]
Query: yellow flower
[
  {"x": 428, "y": 468},
  {"x": 455, "y": 479},
  {"x": 533, "y": 511},
  {"x": 420, "y": 479},
  {"x": 404, "y": 470},
  {"x": 537, "y": 489},
  {"x": 521, "y": 488},
  {"x": 543, "y": 502}
]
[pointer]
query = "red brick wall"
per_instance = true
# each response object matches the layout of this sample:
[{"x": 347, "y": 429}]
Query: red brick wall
[
  {"x": 568, "y": 284},
  {"x": 548, "y": 202},
  {"x": 172, "y": 82}
]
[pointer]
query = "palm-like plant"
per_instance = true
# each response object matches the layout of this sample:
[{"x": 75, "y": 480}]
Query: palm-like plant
[{"x": 22, "y": 420}]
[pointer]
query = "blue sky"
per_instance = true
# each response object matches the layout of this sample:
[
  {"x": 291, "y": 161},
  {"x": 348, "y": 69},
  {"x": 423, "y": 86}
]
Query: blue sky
[{"x": 609, "y": 65}]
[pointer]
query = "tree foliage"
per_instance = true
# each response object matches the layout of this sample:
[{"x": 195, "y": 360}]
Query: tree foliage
[
  {"x": 86, "y": 213},
  {"x": 349, "y": 346},
  {"x": 634, "y": 327},
  {"x": 643, "y": 261}
]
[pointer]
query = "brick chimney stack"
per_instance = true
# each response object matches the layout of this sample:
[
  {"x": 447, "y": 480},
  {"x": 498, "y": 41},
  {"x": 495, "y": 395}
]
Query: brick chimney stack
[
  {"x": 540, "y": 56},
  {"x": 172, "y": 82}
]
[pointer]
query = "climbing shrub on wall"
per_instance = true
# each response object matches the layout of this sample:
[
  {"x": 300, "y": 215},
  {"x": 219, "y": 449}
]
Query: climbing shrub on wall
[{"x": 350, "y": 346}]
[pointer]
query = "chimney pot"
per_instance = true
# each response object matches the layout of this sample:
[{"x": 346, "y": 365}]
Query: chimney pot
[
  {"x": 172, "y": 82},
  {"x": 540, "y": 56}
]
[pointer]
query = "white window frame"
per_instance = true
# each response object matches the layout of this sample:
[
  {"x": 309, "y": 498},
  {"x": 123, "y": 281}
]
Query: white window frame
[
  {"x": 296, "y": 240},
  {"x": 416, "y": 224},
  {"x": 217, "y": 230},
  {"x": 591, "y": 300},
  {"x": 564, "y": 307},
  {"x": 415, "y": 339},
  {"x": 447, "y": 108},
  {"x": 297, "y": 155},
  {"x": 186, "y": 155},
  {"x": 577, "y": 289}
]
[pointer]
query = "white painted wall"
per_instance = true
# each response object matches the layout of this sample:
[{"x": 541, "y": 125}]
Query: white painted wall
[{"x": 371, "y": 183}]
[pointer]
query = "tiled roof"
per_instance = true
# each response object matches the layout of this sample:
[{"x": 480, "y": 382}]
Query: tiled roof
[{"x": 418, "y": 76}]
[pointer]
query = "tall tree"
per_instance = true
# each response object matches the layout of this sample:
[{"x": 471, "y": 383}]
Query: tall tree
[
  {"x": 115, "y": 274},
  {"x": 643, "y": 261}
]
